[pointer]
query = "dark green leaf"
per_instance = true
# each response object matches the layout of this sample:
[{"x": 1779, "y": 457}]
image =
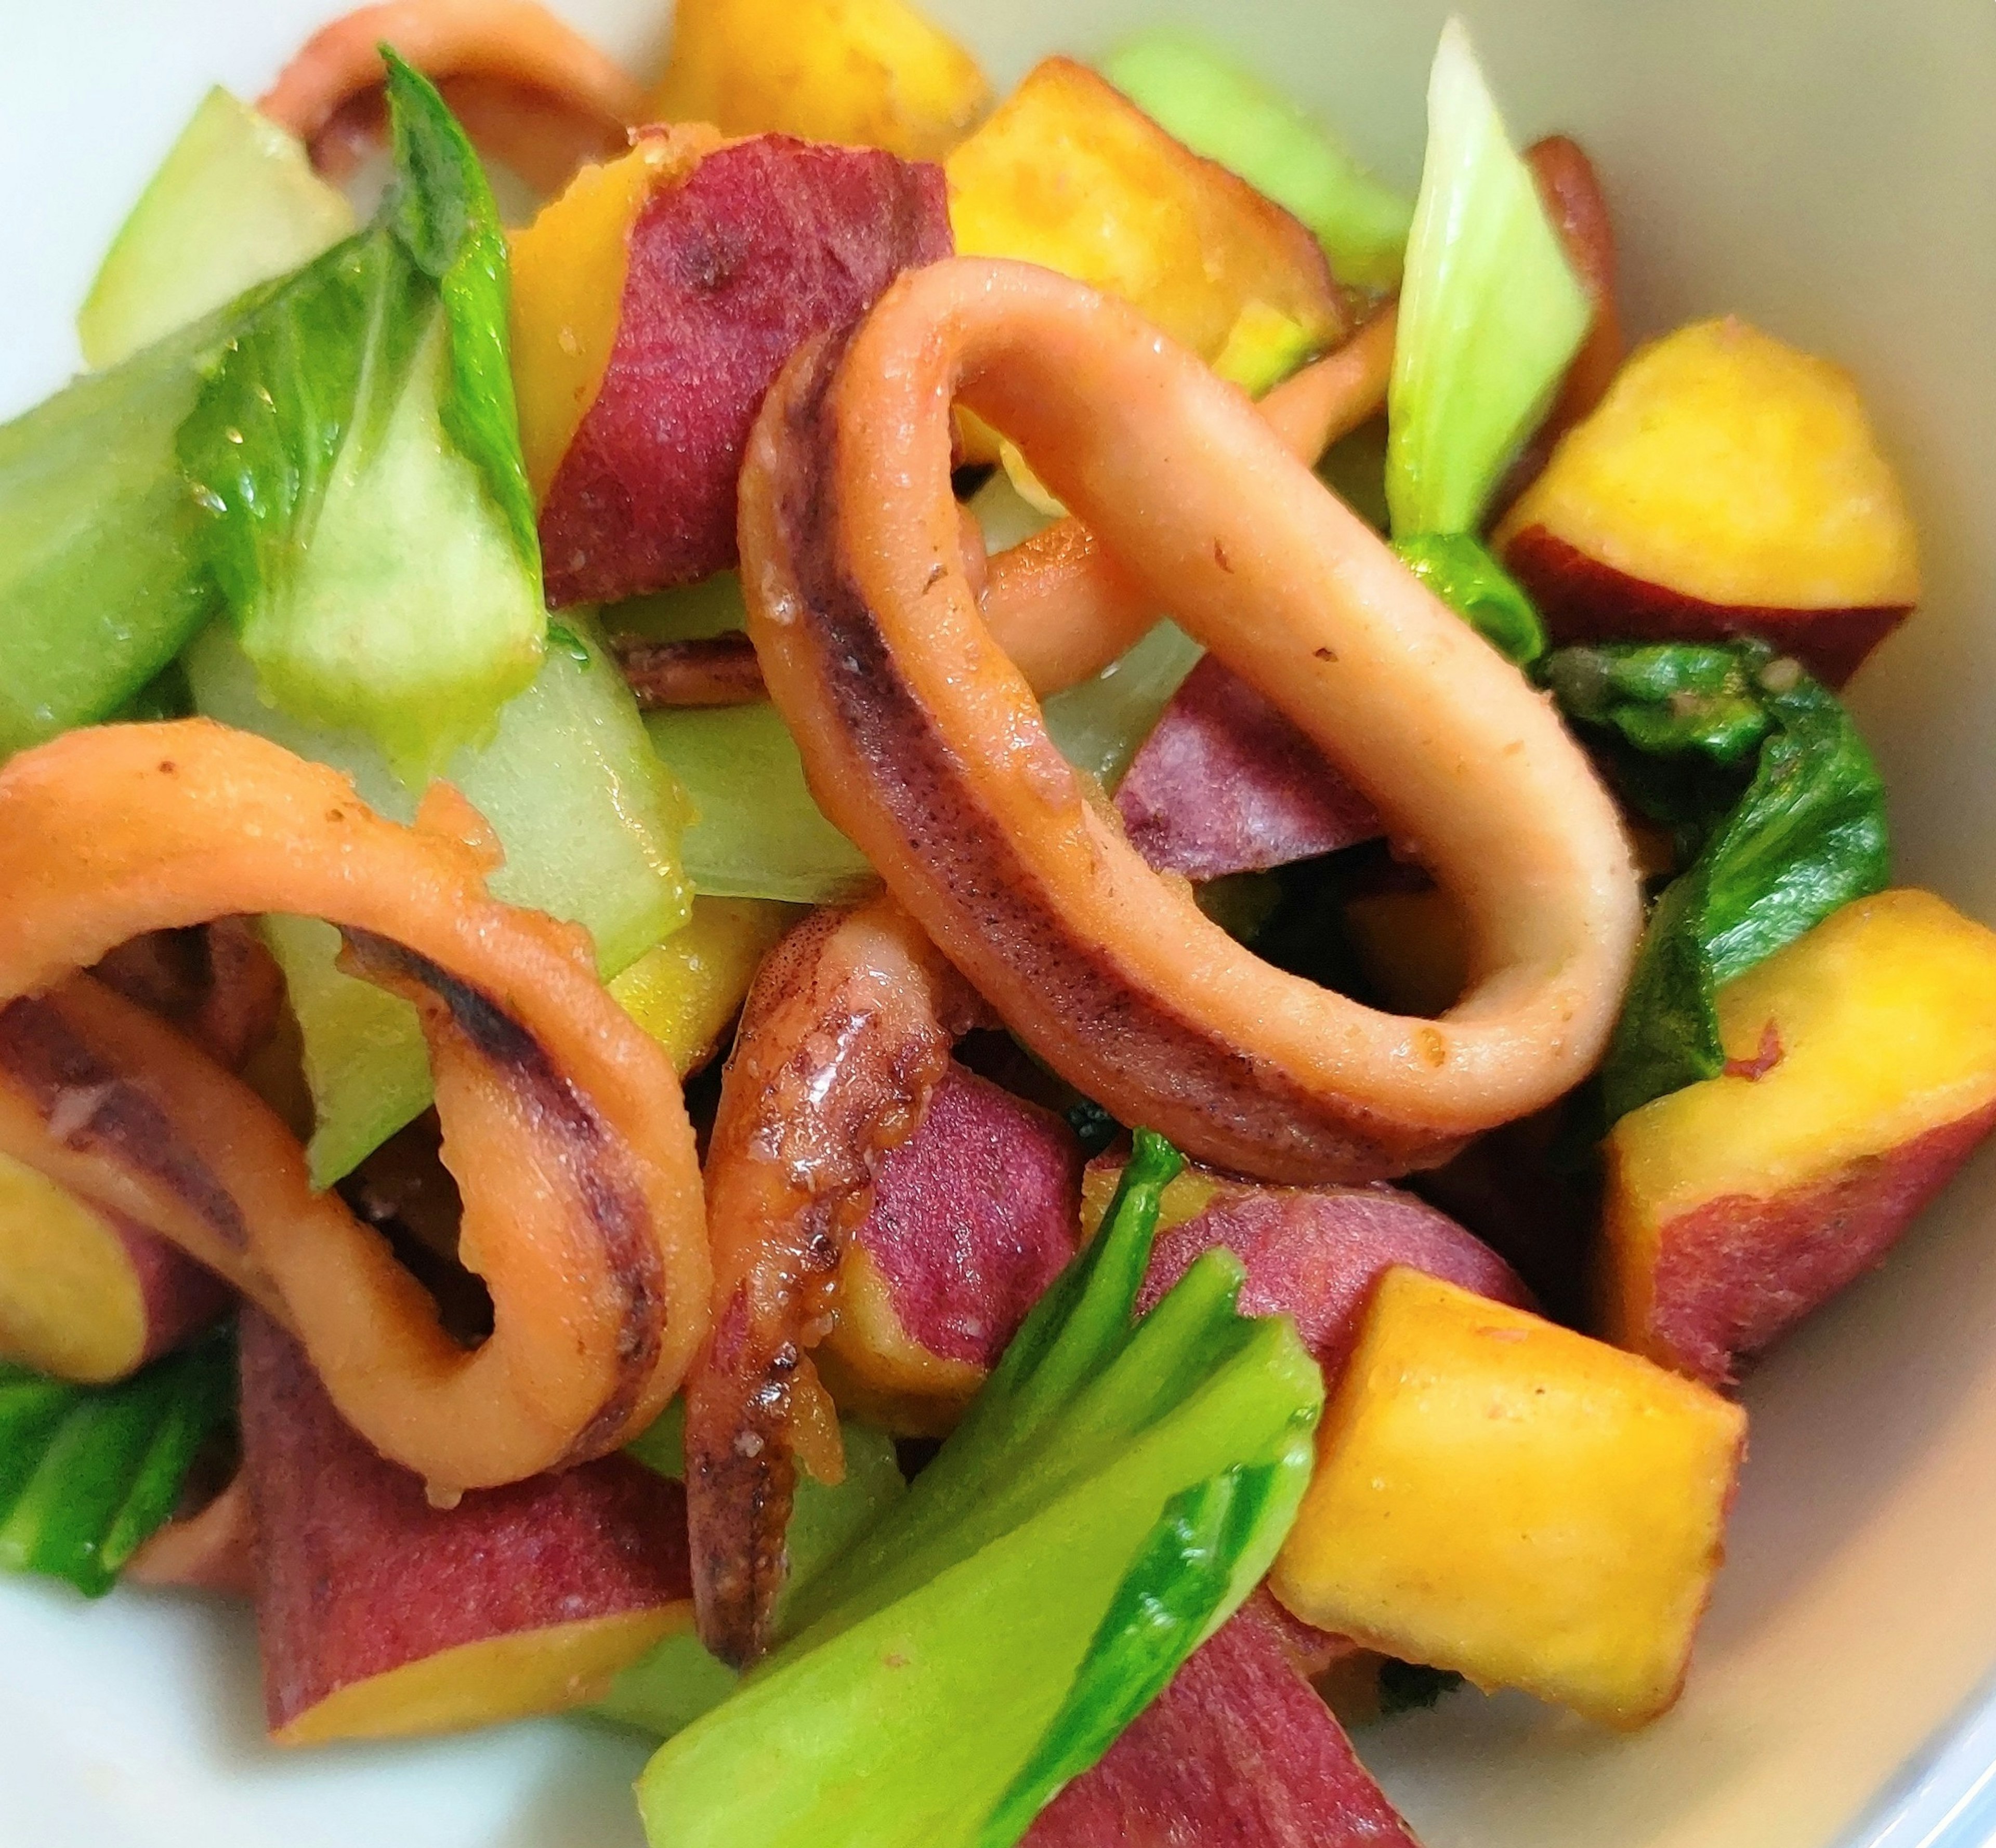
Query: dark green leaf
[
  {"x": 357, "y": 451},
  {"x": 1408, "y": 1687},
  {"x": 1459, "y": 569},
  {"x": 442, "y": 210},
  {"x": 1804, "y": 835},
  {"x": 1167, "y": 1604},
  {"x": 87, "y": 1473}
]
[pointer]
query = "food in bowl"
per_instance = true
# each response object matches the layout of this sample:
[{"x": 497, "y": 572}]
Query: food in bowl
[{"x": 666, "y": 1053}]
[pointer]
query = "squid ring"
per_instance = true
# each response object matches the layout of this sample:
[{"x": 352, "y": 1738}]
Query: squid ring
[
  {"x": 530, "y": 89},
  {"x": 563, "y": 1120},
  {"x": 923, "y": 742}
]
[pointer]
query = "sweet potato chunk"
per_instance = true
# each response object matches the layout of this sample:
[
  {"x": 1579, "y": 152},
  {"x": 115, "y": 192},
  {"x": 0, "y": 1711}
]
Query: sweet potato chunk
[
  {"x": 86, "y": 1295},
  {"x": 1069, "y": 173},
  {"x": 863, "y": 73},
  {"x": 1509, "y": 1499},
  {"x": 1727, "y": 484},
  {"x": 687, "y": 991},
  {"x": 1239, "y": 1750},
  {"x": 971, "y": 1218},
  {"x": 1227, "y": 784},
  {"x": 379, "y": 1614},
  {"x": 729, "y": 263},
  {"x": 1864, "y": 1073}
]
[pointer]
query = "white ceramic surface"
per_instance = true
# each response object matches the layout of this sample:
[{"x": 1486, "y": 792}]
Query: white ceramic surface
[{"x": 1826, "y": 167}]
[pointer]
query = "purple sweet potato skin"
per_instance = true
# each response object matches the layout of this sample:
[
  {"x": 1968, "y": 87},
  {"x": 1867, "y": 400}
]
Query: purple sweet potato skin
[
  {"x": 357, "y": 1574},
  {"x": 974, "y": 1216},
  {"x": 768, "y": 242},
  {"x": 1225, "y": 783},
  {"x": 1239, "y": 1751},
  {"x": 1315, "y": 1253}
]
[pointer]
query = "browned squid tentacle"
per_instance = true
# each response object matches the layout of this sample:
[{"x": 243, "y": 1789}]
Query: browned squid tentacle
[
  {"x": 562, "y": 1120},
  {"x": 923, "y": 743},
  {"x": 845, "y": 1032}
]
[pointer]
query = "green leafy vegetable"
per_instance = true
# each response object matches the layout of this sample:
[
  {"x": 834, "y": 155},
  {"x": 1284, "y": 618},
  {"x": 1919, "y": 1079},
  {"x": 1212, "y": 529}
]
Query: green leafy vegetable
[
  {"x": 1216, "y": 109},
  {"x": 589, "y": 821},
  {"x": 100, "y": 574},
  {"x": 1776, "y": 797},
  {"x": 235, "y": 203},
  {"x": 1491, "y": 312},
  {"x": 87, "y": 1473},
  {"x": 1114, "y": 1491},
  {"x": 356, "y": 452},
  {"x": 1458, "y": 568}
]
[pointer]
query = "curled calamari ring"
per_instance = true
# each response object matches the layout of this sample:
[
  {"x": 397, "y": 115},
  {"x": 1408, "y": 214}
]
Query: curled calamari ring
[
  {"x": 531, "y": 89},
  {"x": 1056, "y": 602},
  {"x": 922, "y": 741},
  {"x": 562, "y": 1120}
]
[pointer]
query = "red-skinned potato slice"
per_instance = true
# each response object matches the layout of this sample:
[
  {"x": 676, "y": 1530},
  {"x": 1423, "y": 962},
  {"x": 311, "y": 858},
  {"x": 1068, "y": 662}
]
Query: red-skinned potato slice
[
  {"x": 562, "y": 1119},
  {"x": 1225, "y": 783},
  {"x": 87, "y": 1293},
  {"x": 973, "y": 1217},
  {"x": 1863, "y": 1074},
  {"x": 529, "y": 88},
  {"x": 845, "y": 1032},
  {"x": 381, "y": 1615},
  {"x": 1315, "y": 1253},
  {"x": 1727, "y": 484},
  {"x": 732, "y": 262},
  {"x": 1238, "y": 1749},
  {"x": 922, "y": 741}
]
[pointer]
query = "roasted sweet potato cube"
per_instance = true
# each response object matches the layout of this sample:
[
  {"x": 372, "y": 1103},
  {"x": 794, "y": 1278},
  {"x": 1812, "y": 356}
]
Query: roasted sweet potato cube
[
  {"x": 1727, "y": 484},
  {"x": 865, "y": 73},
  {"x": 380, "y": 1614},
  {"x": 84, "y": 1294},
  {"x": 1069, "y": 173},
  {"x": 1501, "y": 1496},
  {"x": 654, "y": 302},
  {"x": 1863, "y": 1073}
]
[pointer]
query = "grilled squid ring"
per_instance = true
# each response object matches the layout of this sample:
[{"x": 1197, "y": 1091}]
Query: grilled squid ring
[
  {"x": 562, "y": 1120},
  {"x": 529, "y": 89},
  {"x": 923, "y": 742},
  {"x": 1057, "y": 603}
]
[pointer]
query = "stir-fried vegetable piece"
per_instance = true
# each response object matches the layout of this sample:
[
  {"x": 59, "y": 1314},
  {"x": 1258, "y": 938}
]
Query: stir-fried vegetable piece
[
  {"x": 1459, "y": 569},
  {"x": 1491, "y": 312},
  {"x": 585, "y": 812},
  {"x": 1804, "y": 835},
  {"x": 235, "y": 203},
  {"x": 99, "y": 573},
  {"x": 87, "y": 1473},
  {"x": 1114, "y": 1492},
  {"x": 1222, "y": 112},
  {"x": 357, "y": 453},
  {"x": 674, "y": 1683}
]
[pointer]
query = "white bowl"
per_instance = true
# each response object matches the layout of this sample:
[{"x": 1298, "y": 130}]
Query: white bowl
[{"x": 1826, "y": 168}]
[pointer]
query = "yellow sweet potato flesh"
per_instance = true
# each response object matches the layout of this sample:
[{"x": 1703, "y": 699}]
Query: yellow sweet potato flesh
[
  {"x": 1882, "y": 1024},
  {"x": 1730, "y": 468},
  {"x": 1068, "y": 173},
  {"x": 685, "y": 991},
  {"x": 488, "y": 1683},
  {"x": 1501, "y": 1496},
  {"x": 863, "y": 73},
  {"x": 874, "y": 1371},
  {"x": 567, "y": 272},
  {"x": 70, "y": 1304}
]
